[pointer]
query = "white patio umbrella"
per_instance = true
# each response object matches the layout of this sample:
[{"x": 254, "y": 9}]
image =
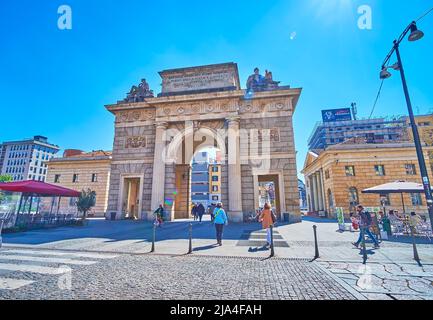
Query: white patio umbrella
[{"x": 396, "y": 187}]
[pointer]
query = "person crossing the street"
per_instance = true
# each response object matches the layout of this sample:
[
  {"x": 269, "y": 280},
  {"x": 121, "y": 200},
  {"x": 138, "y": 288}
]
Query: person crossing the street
[{"x": 365, "y": 224}]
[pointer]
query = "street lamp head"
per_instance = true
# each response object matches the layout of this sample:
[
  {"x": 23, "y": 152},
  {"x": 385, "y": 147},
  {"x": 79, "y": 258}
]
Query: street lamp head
[
  {"x": 395, "y": 66},
  {"x": 384, "y": 74},
  {"x": 415, "y": 34}
]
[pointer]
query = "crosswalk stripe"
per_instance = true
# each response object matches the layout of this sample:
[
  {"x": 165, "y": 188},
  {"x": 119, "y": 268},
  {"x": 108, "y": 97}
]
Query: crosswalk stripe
[
  {"x": 90, "y": 255},
  {"x": 46, "y": 260},
  {"x": 32, "y": 268},
  {"x": 12, "y": 284}
]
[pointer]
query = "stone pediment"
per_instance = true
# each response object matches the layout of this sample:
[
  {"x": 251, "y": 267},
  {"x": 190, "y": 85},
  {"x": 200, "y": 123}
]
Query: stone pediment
[{"x": 310, "y": 158}]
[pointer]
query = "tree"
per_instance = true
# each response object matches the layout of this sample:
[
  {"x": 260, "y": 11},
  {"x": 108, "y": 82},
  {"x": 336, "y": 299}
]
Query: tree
[
  {"x": 86, "y": 201},
  {"x": 5, "y": 178}
]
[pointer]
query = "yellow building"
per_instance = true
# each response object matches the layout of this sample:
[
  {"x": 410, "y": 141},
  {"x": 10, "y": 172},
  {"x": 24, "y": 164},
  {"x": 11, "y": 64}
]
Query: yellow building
[
  {"x": 335, "y": 177},
  {"x": 79, "y": 170},
  {"x": 214, "y": 183}
]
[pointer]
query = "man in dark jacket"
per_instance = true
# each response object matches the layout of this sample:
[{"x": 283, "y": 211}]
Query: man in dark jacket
[
  {"x": 200, "y": 211},
  {"x": 194, "y": 211},
  {"x": 364, "y": 224}
]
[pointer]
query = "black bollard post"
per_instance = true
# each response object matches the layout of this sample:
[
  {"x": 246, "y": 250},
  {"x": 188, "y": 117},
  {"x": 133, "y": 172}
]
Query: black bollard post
[
  {"x": 364, "y": 249},
  {"x": 190, "y": 238},
  {"x": 153, "y": 238},
  {"x": 272, "y": 241},
  {"x": 415, "y": 251},
  {"x": 316, "y": 245}
]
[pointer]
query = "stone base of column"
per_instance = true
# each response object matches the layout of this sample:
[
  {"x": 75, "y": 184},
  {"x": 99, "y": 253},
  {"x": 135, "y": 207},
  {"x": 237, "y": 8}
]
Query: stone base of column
[{"x": 236, "y": 216}]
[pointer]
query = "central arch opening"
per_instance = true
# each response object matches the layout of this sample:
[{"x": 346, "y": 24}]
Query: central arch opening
[
  {"x": 205, "y": 181},
  {"x": 198, "y": 156}
]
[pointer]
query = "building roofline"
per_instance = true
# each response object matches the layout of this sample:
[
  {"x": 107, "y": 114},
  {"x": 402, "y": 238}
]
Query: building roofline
[
  {"x": 82, "y": 158},
  {"x": 282, "y": 91}
]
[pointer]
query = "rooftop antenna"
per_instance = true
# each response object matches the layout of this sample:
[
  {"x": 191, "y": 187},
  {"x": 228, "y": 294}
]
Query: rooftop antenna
[{"x": 354, "y": 110}]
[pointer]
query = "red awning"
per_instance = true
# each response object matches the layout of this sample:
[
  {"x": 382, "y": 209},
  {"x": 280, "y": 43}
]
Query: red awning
[{"x": 38, "y": 188}]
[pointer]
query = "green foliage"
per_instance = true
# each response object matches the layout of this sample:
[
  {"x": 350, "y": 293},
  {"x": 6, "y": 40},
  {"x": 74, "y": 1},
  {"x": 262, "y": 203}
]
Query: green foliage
[
  {"x": 86, "y": 201},
  {"x": 5, "y": 178}
]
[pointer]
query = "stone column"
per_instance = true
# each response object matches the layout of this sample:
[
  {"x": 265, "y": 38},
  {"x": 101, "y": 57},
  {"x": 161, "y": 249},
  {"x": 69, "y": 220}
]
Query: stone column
[
  {"x": 322, "y": 186},
  {"x": 316, "y": 193},
  {"x": 234, "y": 171},
  {"x": 320, "y": 191},
  {"x": 310, "y": 193},
  {"x": 158, "y": 181}
]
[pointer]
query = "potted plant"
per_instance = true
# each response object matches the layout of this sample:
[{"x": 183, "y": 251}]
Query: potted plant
[{"x": 86, "y": 202}]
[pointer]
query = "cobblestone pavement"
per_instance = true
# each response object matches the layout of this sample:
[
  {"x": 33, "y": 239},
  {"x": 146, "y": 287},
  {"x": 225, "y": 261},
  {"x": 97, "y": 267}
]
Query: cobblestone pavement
[
  {"x": 114, "y": 255},
  {"x": 132, "y": 277},
  {"x": 386, "y": 281}
]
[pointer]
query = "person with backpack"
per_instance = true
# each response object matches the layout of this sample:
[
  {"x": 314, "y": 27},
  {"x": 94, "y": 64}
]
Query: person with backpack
[
  {"x": 159, "y": 216},
  {"x": 365, "y": 224},
  {"x": 220, "y": 220},
  {"x": 268, "y": 219}
]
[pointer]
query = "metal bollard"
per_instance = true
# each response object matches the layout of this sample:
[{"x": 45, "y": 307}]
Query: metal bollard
[
  {"x": 272, "y": 241},
  {"x": 316, "y": 245},
  {"x": 364, "y": 249},
  {"x": 415, "y": 251},
  {"x": 153, "y": 238},
  {"x": 190, "y": 239}
]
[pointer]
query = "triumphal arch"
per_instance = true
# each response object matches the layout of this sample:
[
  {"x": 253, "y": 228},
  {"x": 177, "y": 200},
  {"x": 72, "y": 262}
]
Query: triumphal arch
[{"x": 157, "y": 136}]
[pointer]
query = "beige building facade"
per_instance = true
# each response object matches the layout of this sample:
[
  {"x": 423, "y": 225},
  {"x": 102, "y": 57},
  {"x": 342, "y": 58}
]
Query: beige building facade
[
  {"x": 156, "y": 138},
  {"x": 81, "y": 171},
  {"x": 335, "y": 177}
]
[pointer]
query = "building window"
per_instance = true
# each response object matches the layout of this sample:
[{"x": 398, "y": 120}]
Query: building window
[
  {"x": 214, "y": 178},
  {"x": 94, "y": 177},
  {"x": 215, "y": 198},
  {"x": 57, "y": 178},
  {"x": 410, "y": 169},
  {"x": 384, "y": 200},
  {"x": 214, "y": 169},
  {"x": 214, "y": 188},
  {"x": 380, "y": 170},
  {"x": 75, "y": 178},
  {"x": 416, "y": 199},
  {"x": 327, "y": 174},
  {"x": 350, "y": 171}
]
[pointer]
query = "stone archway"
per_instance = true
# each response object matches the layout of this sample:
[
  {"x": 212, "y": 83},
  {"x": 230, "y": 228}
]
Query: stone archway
[{"x": 154, "y": 140}]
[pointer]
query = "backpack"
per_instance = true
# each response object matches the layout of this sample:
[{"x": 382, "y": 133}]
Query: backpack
[{"x": 367, "y": 217}]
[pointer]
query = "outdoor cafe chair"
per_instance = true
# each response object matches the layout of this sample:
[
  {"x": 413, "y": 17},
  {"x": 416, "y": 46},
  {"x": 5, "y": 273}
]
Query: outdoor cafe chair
[{"x": 424, "y": 229}]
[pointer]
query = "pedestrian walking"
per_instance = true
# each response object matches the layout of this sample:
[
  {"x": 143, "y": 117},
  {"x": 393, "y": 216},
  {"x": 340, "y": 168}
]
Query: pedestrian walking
[
  {"x": 365, "y": 224},
  {"x": 194, "y": 211},
  {"x": 159, "y": 216},
  {"x": 200, "y": 211},
  {"x": 220, "y": 220},
  {"x": 268, "y": 219}
]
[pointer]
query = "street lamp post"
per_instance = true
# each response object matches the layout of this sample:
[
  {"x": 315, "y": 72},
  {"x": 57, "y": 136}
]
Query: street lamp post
[{"x": 415, "y": 35}]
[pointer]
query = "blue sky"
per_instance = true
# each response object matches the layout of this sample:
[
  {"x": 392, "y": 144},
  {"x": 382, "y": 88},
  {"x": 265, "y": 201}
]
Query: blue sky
[{"x": 56, "y": 83}]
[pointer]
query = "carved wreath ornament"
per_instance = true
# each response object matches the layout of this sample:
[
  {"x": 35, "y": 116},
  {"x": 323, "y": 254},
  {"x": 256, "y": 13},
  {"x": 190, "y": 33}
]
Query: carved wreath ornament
[{"x": 135, "y": 142}]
